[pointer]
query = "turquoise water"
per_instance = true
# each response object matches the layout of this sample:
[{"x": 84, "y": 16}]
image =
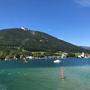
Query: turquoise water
[{"x": 45, "y": 78}]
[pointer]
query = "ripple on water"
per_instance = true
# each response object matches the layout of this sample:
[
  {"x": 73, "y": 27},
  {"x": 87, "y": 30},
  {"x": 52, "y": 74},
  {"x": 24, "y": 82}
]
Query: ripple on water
[{"x": 3, "y": 87}]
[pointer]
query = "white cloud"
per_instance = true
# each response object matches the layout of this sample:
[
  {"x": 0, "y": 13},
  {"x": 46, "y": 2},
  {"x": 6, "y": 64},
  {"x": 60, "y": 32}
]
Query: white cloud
[{"x": 84, "y": 3}]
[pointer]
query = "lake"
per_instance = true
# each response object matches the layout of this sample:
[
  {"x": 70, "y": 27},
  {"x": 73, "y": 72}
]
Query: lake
[{"x": 45, "y": 75}]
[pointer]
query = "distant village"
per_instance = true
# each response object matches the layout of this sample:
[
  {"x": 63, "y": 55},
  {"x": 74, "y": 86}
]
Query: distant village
[{"x": 47, "y": 55}]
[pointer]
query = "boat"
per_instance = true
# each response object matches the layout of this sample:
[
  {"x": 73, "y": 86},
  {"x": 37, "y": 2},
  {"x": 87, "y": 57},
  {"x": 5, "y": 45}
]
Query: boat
[{"x": 57, "y": 61}]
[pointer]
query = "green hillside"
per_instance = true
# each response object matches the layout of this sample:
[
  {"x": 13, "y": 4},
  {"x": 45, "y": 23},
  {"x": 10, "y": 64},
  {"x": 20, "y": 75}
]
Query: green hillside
[{"x": 30, "y": 40}]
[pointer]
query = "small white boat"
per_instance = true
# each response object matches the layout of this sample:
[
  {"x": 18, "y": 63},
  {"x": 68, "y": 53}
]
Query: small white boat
[{"x": 57, "y": 61}]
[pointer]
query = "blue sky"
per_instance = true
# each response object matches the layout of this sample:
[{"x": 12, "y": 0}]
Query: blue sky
[{"x": 68, "y": 20}]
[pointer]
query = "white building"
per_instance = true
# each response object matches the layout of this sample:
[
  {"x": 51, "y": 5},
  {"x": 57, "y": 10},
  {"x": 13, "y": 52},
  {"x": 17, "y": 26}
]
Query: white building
[{"x": 82, "y": 55}]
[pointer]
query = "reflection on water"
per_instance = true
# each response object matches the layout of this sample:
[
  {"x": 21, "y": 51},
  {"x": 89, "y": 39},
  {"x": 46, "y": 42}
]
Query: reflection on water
[{"x": 45, "y": 63}]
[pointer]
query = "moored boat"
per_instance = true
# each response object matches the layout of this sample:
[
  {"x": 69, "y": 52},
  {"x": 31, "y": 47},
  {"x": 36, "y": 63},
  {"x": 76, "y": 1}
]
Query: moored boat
[{"x": 57, "y": 61}]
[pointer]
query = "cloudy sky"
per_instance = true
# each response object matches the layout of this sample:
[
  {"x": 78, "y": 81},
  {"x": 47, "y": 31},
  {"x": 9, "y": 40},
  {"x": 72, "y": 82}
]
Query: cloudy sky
[{"x": 66, "y": 19}]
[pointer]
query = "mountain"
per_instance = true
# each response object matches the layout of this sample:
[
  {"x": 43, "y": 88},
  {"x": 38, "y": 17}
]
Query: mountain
[
  {"x": 13, "y": 38},
  {"x": 86, "y": 47}
]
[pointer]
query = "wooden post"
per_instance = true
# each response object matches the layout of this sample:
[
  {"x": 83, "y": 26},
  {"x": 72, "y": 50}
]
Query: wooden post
[{"x": 62, "y": 73}]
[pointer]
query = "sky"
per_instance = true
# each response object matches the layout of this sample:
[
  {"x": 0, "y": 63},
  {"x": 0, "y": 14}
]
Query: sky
[{"x": 68, "y": 20}]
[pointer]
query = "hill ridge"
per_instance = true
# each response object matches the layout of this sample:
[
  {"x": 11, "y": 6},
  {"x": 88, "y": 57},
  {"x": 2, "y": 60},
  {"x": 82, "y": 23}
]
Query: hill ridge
[{"x": 34, "y": 41}]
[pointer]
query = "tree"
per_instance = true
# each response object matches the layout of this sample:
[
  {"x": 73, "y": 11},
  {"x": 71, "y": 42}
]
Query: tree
[{"x": 71, "y": 55}]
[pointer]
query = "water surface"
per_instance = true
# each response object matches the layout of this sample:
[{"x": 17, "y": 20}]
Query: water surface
[{"x": 21, "y": 77}]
